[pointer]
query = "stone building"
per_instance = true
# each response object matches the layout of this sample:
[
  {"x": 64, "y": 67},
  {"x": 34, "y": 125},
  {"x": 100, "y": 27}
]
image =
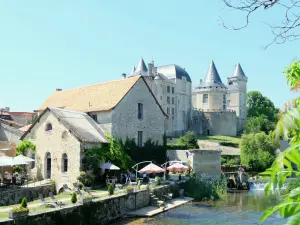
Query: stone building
[
  {"x": 61, "y": 136},
  {"x": 172, "y": 87},
  {"x": 122, "y": 108},
  {"x": 220, "y": 109}
]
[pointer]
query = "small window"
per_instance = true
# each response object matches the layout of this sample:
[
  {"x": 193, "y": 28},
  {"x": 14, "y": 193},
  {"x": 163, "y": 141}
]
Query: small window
[
  {"x": 94, "y": 117},
  {"x": 168, "y": 89},
  {"x": 140, "y": 138},
  {"x": 224, "y": 99},
  {"x": 48, "y": 127},
  {"x": 173, "y": 111},
  {"x": 168, "y": 111},
  {"x": 160, "y": 97},
  {"x": 140, "y": 111},
  {"x": 168, "y": 100},
  {"x": 64, "y": 163},
  {"x": 173, "y": 90},
  {"x": 224, "y": 107},
  {"x": 207, "y": 132},
  {"x": 64, "y": 135},
  {"x": 173, "y": 101},
  {"x": 205, "y": 98},
  {"x": 33, "y": 162}
]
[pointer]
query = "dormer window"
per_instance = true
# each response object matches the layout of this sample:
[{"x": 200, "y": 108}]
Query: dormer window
[{"x": 48, "y": 127}]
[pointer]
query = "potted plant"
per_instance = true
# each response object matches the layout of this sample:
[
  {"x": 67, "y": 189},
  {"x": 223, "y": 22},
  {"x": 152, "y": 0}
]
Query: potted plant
[
  {"x": 19, "y": 211},
  {"x": 85, "y": 199},
  {"x": 129, "y": 189},
  {"x": 74, "y": 198},
  {"x": 110, "y": 189}
]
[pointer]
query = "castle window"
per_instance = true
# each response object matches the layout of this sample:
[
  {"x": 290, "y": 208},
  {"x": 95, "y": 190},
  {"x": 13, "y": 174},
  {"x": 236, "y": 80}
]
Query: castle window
[
  {"x": 173, "y": 101},
  {"x": 168, "y": 100},
  {"x": 48, "y": 127},
  {"x": 140, "y": 111},
  {"x": 168, "y": 111},
  {"x": 140, "y": 138},
  {"x": 173, "y": 111},
  {"x": 173, "y": 90},
  {"x": 64, "y": 165},
  {"x": 168, "y": 89},
  {"x": 205, "y": 98},
  {"x": 224, "y": 99}
]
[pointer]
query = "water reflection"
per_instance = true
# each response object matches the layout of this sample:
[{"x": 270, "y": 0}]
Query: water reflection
[{"x": 237, "y": 209}]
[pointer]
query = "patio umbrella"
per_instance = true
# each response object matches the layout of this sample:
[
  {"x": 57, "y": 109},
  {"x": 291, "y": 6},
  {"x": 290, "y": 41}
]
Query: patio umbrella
[
  {"x": 178, "y": 167},
  {"x": 151, "y": 168},
  {"x": 11, "y": 161},
  {"x": 24, "y": 158},
  {"x": 109, "y": 166}
]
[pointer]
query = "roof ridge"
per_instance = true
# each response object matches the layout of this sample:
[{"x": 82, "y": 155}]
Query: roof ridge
[{"x": 107, "y": 82}]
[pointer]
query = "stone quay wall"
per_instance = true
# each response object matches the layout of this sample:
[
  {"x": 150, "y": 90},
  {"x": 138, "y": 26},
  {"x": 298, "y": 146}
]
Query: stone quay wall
[
  {"x": 15, "y": 196},
  {"x": 101, "y": 212}
]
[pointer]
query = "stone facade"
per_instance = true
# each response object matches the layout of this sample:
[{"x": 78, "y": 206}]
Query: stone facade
[
  {"x": 206, "y": 162},
  {"x": 172, "y": 88},
  {"x": 52, "y": 147},
  {"x": 15, "y": 196},
  {"x": 123, "y": 121},
  {"x": 214, "y": 123},
  {"x": 99, "y": 212},
  {"x": 213, "y": 96}
]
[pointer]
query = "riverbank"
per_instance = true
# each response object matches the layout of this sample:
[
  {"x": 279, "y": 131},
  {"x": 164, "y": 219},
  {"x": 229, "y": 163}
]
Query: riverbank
[{"x": 99, "y": 211}]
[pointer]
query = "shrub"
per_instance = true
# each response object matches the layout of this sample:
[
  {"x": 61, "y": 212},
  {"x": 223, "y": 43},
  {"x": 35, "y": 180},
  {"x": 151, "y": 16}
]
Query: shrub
[
  {"x": 203, "y": 189},
  {"x": 86, "y": 178},
  {"x": 20, "y": 209},
  {"x": 74, "y": 198},
  {"x": 80, "y": 185},
  {"x": 110, "y": 189},
  {"x": 174, "y": 189},
  {"x": 189, "y": 139},
  {"x": 176, "y": 147},
  {"x": 24, "y": 203}
]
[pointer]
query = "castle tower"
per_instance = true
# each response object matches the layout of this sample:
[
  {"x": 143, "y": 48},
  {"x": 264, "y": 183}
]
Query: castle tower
[
  {"x": 211, "y": 93},
  {"x": 237, "y": 95},
  {"x": 141, "y": 69}
]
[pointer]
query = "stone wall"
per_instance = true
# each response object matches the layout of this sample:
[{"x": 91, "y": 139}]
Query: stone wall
[
  {"x": 100, "y": 212},
  {"x": 214, "y": 123},
  {"x": 15, "y": 196},
  {"x": 202, "y": 161}
]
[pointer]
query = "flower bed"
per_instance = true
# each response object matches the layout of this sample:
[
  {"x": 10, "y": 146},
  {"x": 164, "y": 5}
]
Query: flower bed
[{"x": 18, "y": 212}]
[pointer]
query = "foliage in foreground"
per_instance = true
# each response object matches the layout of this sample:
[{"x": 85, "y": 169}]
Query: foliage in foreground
[
  {"x": 258, "y": 150},
  {"x": 202, "y": 189},
  {"x": 289, "y": 128}
]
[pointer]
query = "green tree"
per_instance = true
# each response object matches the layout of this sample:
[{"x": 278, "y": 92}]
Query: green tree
[
  {"x": 258, "y": 150},
  {"x": 258, "y": 124},
  {"x": 258, "y": 105},
  {"x": 74, "y": 198},
  {"x": 288, "y": 127}
]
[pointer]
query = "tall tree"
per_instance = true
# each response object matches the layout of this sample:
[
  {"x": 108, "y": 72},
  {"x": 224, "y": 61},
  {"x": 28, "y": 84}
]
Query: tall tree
[
  {"x": 258, "y": 105},
  {"x": 288, "y": 27}
]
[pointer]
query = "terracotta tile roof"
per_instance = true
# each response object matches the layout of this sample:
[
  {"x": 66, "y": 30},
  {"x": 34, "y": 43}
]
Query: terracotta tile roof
[
  {"x": 98, "y": 97},
  {"x": 23, "y": 114}
]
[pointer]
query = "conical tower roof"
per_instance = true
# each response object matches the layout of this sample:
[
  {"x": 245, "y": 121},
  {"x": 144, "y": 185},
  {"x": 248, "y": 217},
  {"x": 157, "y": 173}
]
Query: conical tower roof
[
  {"x": 212, "y": 78},
  {"x": 141, "y": 69},
  {"x": 132, "y": 72},
  {"x": 238, "y": 72}
]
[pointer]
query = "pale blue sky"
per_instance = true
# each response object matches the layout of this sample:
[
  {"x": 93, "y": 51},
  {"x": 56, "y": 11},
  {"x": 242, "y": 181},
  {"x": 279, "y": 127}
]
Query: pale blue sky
[{"x": 46, "y": 45}]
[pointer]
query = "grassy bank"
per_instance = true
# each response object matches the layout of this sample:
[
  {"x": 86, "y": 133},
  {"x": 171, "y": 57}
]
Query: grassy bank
[{"x": 222, "y": 140}]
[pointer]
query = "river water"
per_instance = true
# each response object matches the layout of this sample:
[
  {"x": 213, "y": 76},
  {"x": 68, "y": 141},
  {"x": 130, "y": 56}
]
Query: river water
[{"x": 236, "y": 209}]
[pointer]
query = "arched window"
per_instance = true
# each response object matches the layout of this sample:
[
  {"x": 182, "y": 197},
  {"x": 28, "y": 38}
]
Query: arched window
[
  {"x": 64, "y": 135},
  {"x": 64, "y": 163},
  {"x": 48, "y": 127}
]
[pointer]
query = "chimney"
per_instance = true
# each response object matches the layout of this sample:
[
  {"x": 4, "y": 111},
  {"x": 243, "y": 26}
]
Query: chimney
[
  {"x": 58, "y": 89},
  {"x": 150, "y": 67},
  {"x": 200, "y": 81},
  {"x": 7, "y": 109},
  {"x": 124, "y": 75}
]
